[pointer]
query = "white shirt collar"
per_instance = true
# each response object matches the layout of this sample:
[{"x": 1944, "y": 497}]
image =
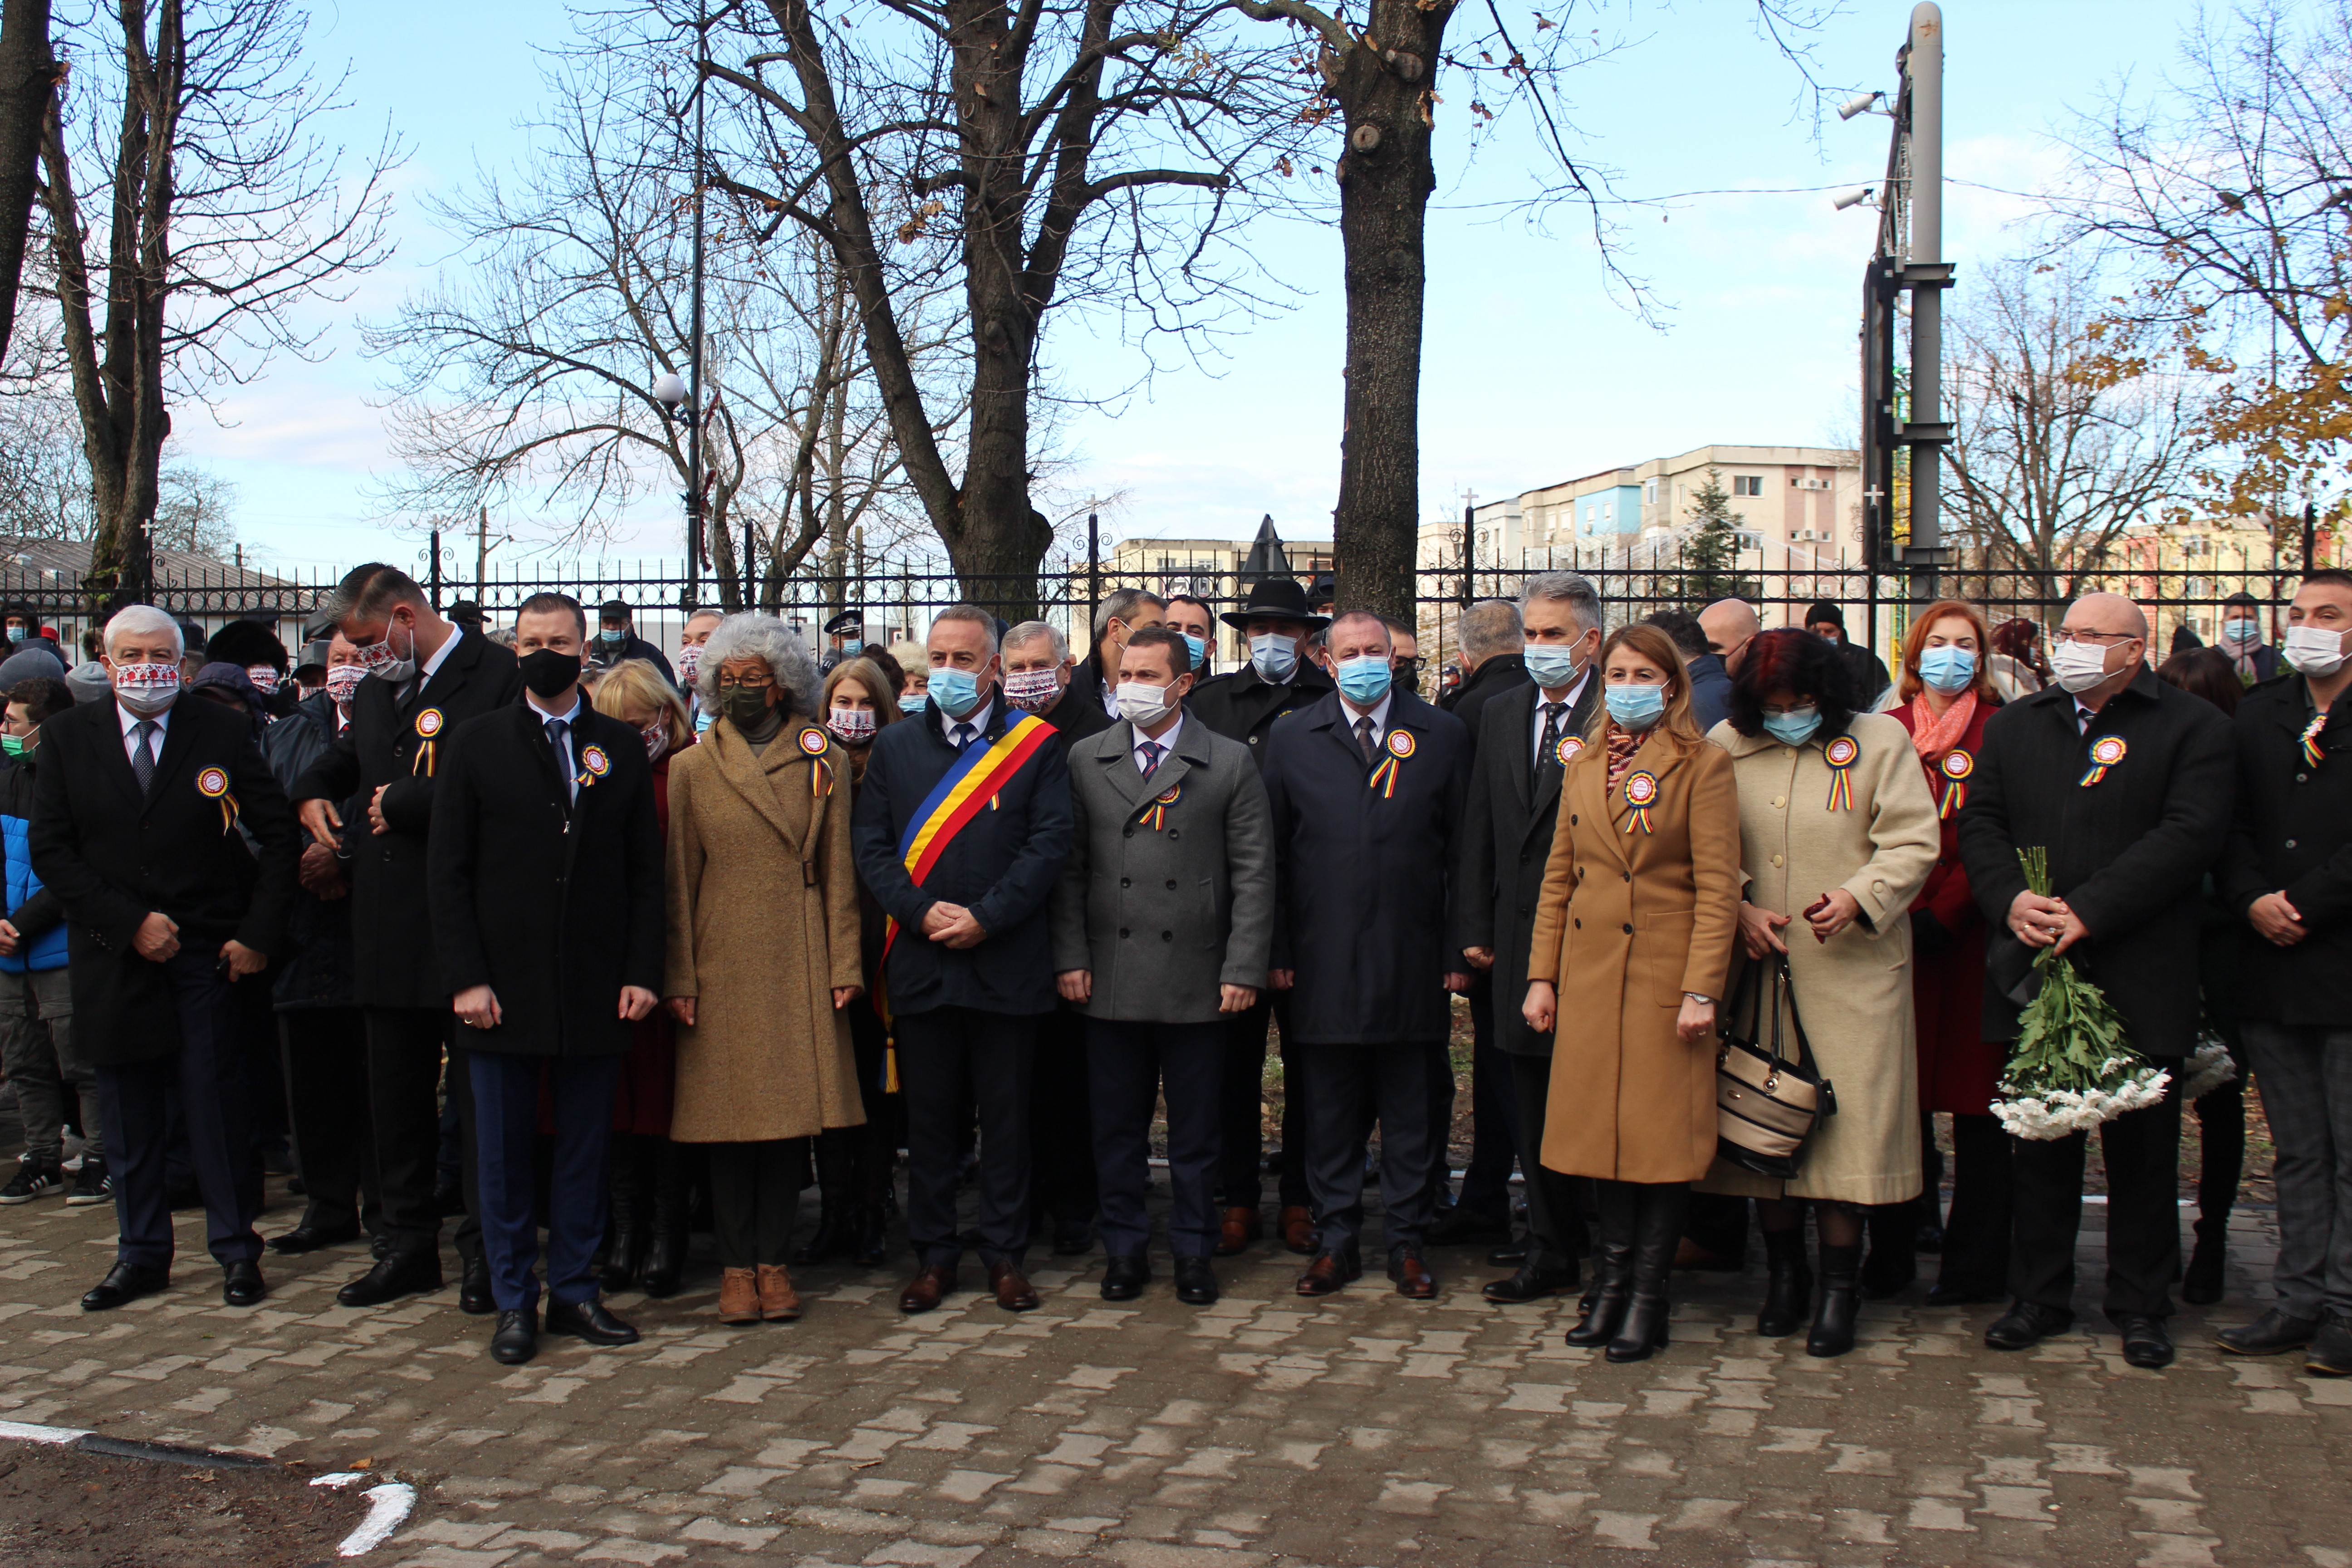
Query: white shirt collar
[
  {"x": 569, "y": 715},
  {"x": 1138, "y": 739},
  {"x": 130, "y": 721},
  {"x": 1379, "y": 714},
  {"x": 977, "y": 718},
  {"x": 426, "y": 670}
]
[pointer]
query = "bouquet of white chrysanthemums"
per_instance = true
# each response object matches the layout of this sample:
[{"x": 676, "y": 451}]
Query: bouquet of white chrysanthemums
[{"x": 2071, "y": 1068}]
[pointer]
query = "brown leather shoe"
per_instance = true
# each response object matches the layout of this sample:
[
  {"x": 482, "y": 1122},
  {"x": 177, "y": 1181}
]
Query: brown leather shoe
[
  {"x": 1328, "y": 1273},
  {"x": 1011, "y": 1288},
  {"x": 1415, "y": 1282},
  {"x": 778, "y": 1302},
  {"x": 1241, "y": 1227},
  {"x": 1296, "y": 1223},
  {"x": 739, "y": 1296},
  {"x": 924, "y": 1291}
]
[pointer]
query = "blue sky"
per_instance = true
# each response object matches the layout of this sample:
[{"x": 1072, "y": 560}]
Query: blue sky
[{"x": 1531, "y": 374}]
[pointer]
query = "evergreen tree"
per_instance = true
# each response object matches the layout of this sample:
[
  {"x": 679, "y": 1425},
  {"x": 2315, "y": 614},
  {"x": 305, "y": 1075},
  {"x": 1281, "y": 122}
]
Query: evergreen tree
[{"x": 1711, "y": 550}]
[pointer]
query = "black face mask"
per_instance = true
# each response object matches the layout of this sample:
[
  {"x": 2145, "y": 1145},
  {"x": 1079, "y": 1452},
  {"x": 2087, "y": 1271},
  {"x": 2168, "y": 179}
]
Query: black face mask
[{"x": 549, "y": 672}]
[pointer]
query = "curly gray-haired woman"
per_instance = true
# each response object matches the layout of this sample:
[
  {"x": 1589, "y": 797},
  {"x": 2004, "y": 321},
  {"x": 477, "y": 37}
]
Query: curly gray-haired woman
[{"x": 764, "y": 950}]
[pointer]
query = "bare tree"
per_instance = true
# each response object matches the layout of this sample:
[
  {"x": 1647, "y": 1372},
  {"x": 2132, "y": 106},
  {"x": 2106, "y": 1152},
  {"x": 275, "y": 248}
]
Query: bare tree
[
  {"x": 223, "y": 209},
  {"x": 29, "y": 77},
  {"x": 2228, "y": 193},
  {"x": 2068, "y": 431}
]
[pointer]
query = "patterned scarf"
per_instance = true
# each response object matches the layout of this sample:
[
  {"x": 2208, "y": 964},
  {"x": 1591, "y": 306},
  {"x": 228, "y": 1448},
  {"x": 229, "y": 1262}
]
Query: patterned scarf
[
  {"x": 1623, "y": 744},
  {"x": 1932, "y": 737}
]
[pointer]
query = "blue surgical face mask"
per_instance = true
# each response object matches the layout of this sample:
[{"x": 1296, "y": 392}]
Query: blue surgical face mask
[
  {"x": 1274, "y": 655},
  {"x": 955, "y": 690},
  {"x": 913, "y": 702},
  {"x": 1199, "y": 649},
  {"x": 1365, "y": 678},
  {"x": 15, "y": 634},
  {"x": 1948, "y": 668},
  {"x": 852, "y": 646},
  {"x": 1552, "y": 665},
  {"x": 1635, "y": 707},
  {"x": 2237, "y": 631},
  {"x": 612, "y": 636},
  {"x": 1793, "y": 729},
  {"x": 703, "y": 718}
]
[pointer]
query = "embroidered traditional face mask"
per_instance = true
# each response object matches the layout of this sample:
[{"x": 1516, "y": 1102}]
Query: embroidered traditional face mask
[
  {"x": 689, "y": 663},
  {"x": 1365, "y": 678},
  {"x": 1142, "y": 702},
  {"x": 343, "y": 683},
  {"x": 2313, "y": 650},
  {"x": 657, "y": 736},
  {"x": 146, "y": 689},
  {"x": 1552, "y": 666},
  {"x": 1948, "y": 668},
  {"x": 264, "y": 678},
  {"x": 1032, "y": 690},
  {"x": 1793, "y": 729},
  {"x": 1635, "y": 707},
  {"x": 852, "y": 725},
  {"x": 1274, "y": 656},
  {"x": 383, "y": 656}
]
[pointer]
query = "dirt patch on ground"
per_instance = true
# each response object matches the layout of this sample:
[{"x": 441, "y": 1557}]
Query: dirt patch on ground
[{"x": 60, "y": 1507}]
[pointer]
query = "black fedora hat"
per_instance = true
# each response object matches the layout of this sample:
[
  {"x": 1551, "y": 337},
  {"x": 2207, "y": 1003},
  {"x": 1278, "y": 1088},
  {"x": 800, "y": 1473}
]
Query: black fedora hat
[{"x": 1280, "y": 597}]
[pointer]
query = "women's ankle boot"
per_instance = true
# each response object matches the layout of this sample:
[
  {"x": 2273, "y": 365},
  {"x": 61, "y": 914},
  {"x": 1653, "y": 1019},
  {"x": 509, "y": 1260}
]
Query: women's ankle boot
[
  {"x": 1788, "y": 1284},
  {"x": 673, "y": 1199},
  {"x": 870, "y": 1236},
  {"x": 1658, "y": 1233},
  {"x": 1893, "y": 1264},
  {"x": 1612, "y": 1265},
  {"x": 1834, "y": 1321},
  {"x": 632, "y": 1200}
]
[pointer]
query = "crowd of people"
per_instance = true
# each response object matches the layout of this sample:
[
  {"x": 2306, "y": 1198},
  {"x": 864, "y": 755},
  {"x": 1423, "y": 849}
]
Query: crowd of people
[{"x": 528, "y": 927}]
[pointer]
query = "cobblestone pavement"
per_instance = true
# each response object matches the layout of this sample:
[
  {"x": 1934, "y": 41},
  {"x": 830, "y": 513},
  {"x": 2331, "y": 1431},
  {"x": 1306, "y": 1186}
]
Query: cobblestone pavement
[{"x": 1359, "y": 1430}]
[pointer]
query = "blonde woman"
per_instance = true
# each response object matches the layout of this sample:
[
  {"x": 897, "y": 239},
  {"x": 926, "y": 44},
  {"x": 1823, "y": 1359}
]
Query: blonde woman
[{"x": 1635, "y": 924}]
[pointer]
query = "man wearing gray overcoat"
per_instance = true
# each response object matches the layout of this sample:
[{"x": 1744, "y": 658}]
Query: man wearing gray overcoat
[{"x": 1161, "y": 924}]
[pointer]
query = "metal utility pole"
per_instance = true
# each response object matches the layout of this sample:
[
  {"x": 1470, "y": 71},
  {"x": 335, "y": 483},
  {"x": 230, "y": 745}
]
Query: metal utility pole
[
  {"x": 694, "y": 349},
  {"x": 1908, "y": 259}
]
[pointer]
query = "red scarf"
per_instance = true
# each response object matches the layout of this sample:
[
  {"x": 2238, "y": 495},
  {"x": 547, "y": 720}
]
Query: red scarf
[{"x": 1932, "y": 737}]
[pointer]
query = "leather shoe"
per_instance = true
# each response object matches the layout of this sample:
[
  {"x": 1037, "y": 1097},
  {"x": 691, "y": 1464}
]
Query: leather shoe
[
  {"x": 1196, "y": 1282},
  {"x": 930, "y": 1284},
  {"x": 1940, "y": 1294},
  {"x": 1463, "y": 1224},
  {"x": 1689, "y": 1254},
  {"x": 1072, "y": 1239},
  {"x": 2331, "y": 1348},
  {"x": 1329, "y": 1273},
  {"x": 1012, "y": 1286},
  {"x": 1415, "y": 1282},
  {"x": 307, "y": 1238},
  {"x": 1529, "y": 1284},
  {"x": 2146, "y": 1343},
  {"x": 1296, "y": 1223},
  {"x": 392, "y": 1277},
  {"x": 2272, "y": 1333},
  {"x": 124, "y": 1282},
  {"x": 516, "y": 1339},
  {"x": 591, "y": 1320},
  {"x": 1241, "y": 1227},
  {"x": 1510, "y": 1255},
  {"x": 242, "y": 1286},
  {"x": 2024, "y": 1325},
  {"x": 474, "y": 1297},
  {"x": 1123, "y": 1278}
]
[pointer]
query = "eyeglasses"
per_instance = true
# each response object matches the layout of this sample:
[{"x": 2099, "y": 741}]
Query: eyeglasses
[
  {"x": 1794, "y": 710},
  {"x": 2063, "y": 635},
  {"x": 755, "y": 680}
]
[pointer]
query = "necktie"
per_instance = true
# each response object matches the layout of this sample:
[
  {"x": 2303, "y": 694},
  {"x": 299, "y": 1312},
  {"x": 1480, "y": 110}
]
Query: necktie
[
  {"x": 1151, "y": 751},
  {"x": 556, "y": 731},
  {"x": 1548, "y": 751},
  {"x": 962, "y": 736},
  {"x": 1364, "y": 740},
  {"x": 142, "y": 752}
]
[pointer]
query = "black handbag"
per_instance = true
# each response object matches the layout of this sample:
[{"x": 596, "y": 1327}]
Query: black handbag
[{"x": 1767, "y": 1107}]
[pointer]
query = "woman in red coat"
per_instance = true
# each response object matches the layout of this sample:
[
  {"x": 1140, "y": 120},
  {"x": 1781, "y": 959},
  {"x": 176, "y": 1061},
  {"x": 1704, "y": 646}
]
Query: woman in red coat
[{"x": 1946, "y": 694}]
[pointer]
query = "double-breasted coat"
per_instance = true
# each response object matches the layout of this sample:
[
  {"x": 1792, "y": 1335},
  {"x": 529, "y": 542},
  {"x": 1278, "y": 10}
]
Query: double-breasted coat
[
  {"x": 112, "y": 855},
  {"x": 2129, "y": 847},
  {"x": 551, "y": 898},
  {"x": 1958, "y": 1068},
  {"x": 1243, "y": 705},
  {"x": 1633, "y": 914},
  {"x": 763, "y": 928},
  {"x": 402, "y": 736},
  {"x": 1364, "y": 856},
  {"x": 1506, "y": 840},
  {"x": 2292, "y": 834},
  {"x": 1169, "y": 891},
  {"x": 1798, "y": 841}
]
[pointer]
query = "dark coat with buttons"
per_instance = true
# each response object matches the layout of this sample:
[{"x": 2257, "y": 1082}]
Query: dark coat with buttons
[
  {"x": 555, "y": 904},
  {"x": 113, "y": 856},
  {"x": 1365, "y": 871},
  {"x": 392, "y": 935},
  {"x": 1244, "y": 705},
  {"x": 1001, "y": 866},
  {"x": 1495, "y": 677},
  {"x": 1506, "y": 843},
  {"x": 1165, "y": 903},
  {"x": 2292, "y": 834},
  {"x": 2128, "y": 853}
]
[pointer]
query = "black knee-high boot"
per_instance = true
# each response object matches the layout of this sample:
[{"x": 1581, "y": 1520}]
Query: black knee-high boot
[
  {"x": 1657, "y": 1232},
  {"x": 1787, "y": 1283},
  {"x": 633, "y": 1201},
  {"x": 1612, "y": 1264},
  {"x": 1834, "y": 1321},
  {"x": 836, "y": 1159},
  {"x": 674, "y": 1172},
  {"x": 1894, "y": 1231}
]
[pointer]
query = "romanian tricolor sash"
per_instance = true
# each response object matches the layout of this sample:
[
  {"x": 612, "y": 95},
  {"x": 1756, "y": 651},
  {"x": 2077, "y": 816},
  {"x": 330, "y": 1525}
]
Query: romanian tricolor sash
[{"x": 968, "y": 788}]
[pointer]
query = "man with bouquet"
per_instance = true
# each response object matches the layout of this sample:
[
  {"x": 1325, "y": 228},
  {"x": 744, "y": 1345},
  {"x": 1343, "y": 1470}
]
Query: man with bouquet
[{"x": 2126, "y": 782}]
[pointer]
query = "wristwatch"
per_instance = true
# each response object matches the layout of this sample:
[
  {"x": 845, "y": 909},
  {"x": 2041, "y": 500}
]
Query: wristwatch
[{"x": 1702, "y": 1000}]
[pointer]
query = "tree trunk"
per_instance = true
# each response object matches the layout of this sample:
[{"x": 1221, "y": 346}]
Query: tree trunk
[
  {"x": 1386, "y": 175},
  {"x": 28, "y": 74}
]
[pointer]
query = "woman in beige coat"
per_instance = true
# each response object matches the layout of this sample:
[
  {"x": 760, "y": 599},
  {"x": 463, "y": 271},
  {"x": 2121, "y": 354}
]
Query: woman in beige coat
[
  {"x": 1634, "y": 928},
  {"x": 1837, "y": 832},
  {"x": 764, "y": 950}
]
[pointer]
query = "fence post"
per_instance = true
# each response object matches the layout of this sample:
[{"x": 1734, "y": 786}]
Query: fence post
[
  {"x": 1093, "y": 565},
  {"x": 432, "y": 572}
]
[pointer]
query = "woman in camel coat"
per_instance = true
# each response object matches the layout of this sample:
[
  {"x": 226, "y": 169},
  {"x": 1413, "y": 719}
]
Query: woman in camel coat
[
  {"x": 764, "y": 950},
  {"x": 1635, "y": 930},
  {"x": 1832, "y": 866}
]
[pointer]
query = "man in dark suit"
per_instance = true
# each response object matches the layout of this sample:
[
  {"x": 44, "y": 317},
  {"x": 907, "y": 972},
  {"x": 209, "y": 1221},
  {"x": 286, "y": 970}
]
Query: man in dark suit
[
  {"x": 617, "y": 638},
  {"x": 1368, "y": 789},
  {"x": 1122, "y": 613},
  {"x": 1826, "y": 620},
  {"x": 970, "y": 970},
  {"x": 2288, "y": 873},
  {"x": 1506, "y": 845},
  {"x": 2126, "y": 781},
  {"x": 1243, "y": 706},
  {"x": 544, "y": 870},
  {"x": 1491, "y": 641},
  {"x": 1037, "y": 679},
  {"x": 1710, "y": 682},
  {"x": 136, "y": 824},
  {"x": 1161, "y": 925},
  {"x": 429, "y": 676}
]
